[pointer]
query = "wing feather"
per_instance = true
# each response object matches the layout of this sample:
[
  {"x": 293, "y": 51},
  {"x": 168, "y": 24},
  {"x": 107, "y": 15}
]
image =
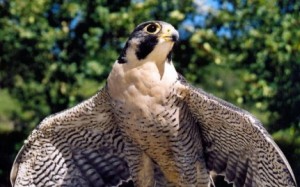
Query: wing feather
[
  {"x": 237, "y": 145},
  {"x": 80, "y": 146}
]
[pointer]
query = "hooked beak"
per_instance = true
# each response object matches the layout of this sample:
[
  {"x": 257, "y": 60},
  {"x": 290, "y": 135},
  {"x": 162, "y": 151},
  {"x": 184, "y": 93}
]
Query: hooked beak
[
  {"x": 171, "y": 37},
  {"x": 174, "y": 37}
]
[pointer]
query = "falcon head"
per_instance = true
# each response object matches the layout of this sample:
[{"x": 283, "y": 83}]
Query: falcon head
[{"x": 150, "y": 41}]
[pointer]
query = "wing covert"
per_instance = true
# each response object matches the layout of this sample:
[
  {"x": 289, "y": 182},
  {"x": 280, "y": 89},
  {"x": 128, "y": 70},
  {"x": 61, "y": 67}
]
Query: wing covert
[
  {"x": 80, "y": 146},
  {"x": 237, "y": 145}
]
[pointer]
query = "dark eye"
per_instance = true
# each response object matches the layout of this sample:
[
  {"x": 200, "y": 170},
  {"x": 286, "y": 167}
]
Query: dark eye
[{"x": 152, "y": 28}]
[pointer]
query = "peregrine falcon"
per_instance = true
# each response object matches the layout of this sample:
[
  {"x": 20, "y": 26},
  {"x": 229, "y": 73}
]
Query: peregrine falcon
[{"x": 149, "y": 127}]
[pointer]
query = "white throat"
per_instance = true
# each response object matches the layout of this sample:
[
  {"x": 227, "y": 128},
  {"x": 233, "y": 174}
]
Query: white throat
[{"x": 140, "y": 82}]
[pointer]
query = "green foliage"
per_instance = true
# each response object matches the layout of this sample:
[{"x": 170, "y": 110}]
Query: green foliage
[
  {"x": 54, "y": 54},
  {"x": 9, "y": 108},
  {"x": 268, "y": 48}
]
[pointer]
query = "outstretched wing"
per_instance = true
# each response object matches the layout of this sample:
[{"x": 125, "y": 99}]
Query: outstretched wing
[
  {"x": 237, "y": 145},
  {"x": 77, "y": 147}
]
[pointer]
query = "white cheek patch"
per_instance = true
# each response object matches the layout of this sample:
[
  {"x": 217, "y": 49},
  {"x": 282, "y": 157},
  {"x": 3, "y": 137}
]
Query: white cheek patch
[{"x": 131, "y": 55}]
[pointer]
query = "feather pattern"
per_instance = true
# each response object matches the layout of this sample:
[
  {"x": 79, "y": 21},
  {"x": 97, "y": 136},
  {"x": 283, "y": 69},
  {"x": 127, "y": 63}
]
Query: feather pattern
[
  {"x": 80, "y": 146},
  {"x": 237, "y": 145}
]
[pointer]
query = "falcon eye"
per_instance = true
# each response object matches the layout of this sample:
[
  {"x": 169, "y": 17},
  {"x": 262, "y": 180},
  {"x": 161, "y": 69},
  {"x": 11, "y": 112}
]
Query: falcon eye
[{"x": 152, "y": 28}]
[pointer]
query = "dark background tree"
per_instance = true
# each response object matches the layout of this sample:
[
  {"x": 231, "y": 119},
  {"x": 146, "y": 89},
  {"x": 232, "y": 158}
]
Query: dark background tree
[{"x": 54, "y": 54}]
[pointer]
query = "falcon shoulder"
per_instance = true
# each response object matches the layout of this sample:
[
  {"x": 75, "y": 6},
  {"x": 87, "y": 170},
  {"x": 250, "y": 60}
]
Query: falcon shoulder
[
  {"x": 80, "y": 146},
  {"x": 236, "y": 144}
]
